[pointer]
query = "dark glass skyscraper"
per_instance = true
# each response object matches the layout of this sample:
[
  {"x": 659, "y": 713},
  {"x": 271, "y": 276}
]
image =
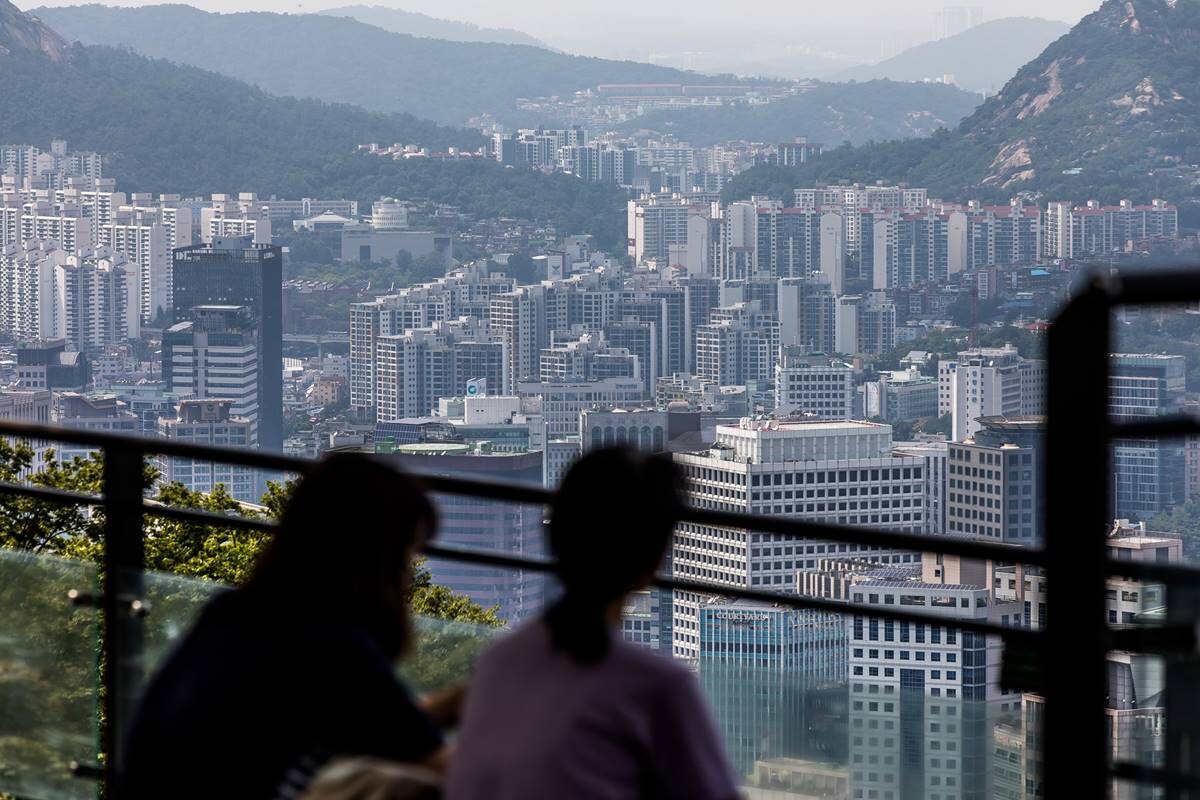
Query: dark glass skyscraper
[{"x": 233, "y": 271}]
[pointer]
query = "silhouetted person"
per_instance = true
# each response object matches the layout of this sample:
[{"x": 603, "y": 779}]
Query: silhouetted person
[
  {"x": 295, "y": 668},
  {"x": 564, "y": 708}
]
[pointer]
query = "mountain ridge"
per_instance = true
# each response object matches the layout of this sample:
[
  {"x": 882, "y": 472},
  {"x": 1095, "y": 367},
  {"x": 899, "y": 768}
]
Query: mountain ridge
[
  {"x": 981, "y": 58},
  {"x": 413, "y": 23},
  {"x": 448, "y": 82},
  {"x": 22, "y": 33}
]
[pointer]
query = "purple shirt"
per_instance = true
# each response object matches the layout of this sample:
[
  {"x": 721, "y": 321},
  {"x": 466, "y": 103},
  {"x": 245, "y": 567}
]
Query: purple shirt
[{"x": 539, "y": 725}]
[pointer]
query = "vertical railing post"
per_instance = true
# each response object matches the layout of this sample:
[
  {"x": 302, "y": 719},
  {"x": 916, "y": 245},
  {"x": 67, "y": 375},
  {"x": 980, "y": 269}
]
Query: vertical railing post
[
  {"x": 1076, "y": 482},
  {"x": 124, "y": 560}
]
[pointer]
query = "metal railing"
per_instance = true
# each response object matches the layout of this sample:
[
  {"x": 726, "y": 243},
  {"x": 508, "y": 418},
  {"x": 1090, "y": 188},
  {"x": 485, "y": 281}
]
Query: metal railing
[{"x": 1067, "y": 656}]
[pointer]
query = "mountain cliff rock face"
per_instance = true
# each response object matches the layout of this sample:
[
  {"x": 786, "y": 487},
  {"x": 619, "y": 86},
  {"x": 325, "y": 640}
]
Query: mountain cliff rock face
[
  {"x": 1117, "y": 93},
  {"x": 1110, "y": 110},
  {"x": 22, "y": 33}
]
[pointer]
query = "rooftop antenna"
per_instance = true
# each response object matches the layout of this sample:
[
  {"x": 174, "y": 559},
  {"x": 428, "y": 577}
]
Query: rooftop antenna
[{"x": 972, "y": 338}]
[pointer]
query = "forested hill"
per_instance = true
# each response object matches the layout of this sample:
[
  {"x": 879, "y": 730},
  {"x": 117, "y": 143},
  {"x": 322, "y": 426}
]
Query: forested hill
[
  {"x": 169, "y": 128},
  {"x": 342, "y": 60}
]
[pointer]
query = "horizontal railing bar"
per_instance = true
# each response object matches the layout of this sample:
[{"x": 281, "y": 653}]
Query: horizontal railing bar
[
  {"x": 1030, "y": 637},
  {"x": 201, "y": 452},
  {"x": 1174, "y": 286},
  {"x": 1167, "y": 639},
  {"x": 1157, "y": 427},
  {"x": 493, "y": 490},
  {"x": 486, "y": 558},
  {"x": 202, "y": 517},
  {"x": 1153, "y": 571},
  {"x": 1140, "y": 773},
  {"x": 967, "y": 548},
  {"x": 50, "y": 494},
  {"x": 788, "y": 600},
  {"x": 536, "y": 495}
]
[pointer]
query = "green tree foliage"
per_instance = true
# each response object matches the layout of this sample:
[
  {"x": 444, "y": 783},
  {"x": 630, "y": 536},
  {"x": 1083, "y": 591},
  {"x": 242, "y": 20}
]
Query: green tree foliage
[
  {"x": 1184, "y": 520},
  {"x": 947, "y": 344},
  {"x": 187, "y": 549},
  {"x": 943, "y": 425}
]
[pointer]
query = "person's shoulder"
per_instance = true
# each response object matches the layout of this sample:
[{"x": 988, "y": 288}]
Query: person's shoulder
[
  {"x": 649, "y": 665},
  {"x": 522, "y": 643}
]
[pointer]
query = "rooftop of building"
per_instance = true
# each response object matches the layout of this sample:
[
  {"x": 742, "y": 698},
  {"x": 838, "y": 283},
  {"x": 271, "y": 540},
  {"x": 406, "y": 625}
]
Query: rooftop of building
[
  {"x": 747, "y": 424},
  {"x": 1026, "y": 422}
]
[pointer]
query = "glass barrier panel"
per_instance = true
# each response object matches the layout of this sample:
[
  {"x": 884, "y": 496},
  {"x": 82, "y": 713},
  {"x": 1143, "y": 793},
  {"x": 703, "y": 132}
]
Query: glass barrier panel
[{"x": 48, "y": 676}]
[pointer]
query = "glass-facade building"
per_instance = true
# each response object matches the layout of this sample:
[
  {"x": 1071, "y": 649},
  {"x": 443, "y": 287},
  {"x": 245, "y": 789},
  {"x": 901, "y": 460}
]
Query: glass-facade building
[
  {"x": 1148, "y": 474},
  {"x": 233, "y": 271}
]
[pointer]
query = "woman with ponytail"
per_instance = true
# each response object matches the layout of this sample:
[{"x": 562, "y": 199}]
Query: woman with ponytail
[{"x": 564, "y": 708}]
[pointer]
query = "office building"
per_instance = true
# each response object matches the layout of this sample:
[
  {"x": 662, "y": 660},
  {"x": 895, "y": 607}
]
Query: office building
[
  {"x": 1148, "y": 474},
  {"x": 209, "y": 422},
  {"x": 805, "y": 307},
  {"x": 995, "y": 482},
  {"x": 864, "y": 324},
  {"x": 738, "y": 346},
  {"x": 590, "y": 357},
  {"x": 25, "y": 405},
  {"x": 215, "y": 356},
  {"x": 989, "y": 382},
  {"x": 840, "y": 472},
  {"x": 485, "y": 525},
  {"x": 923, "y": 697},
  {"x": 92, "y": 412},
  {"x": 765, "y": 669},
  {"x": 238, "y": 272},
  {"x": 48, "y": 364},
  {"x": 228, "y": 217},
  {"x": 901, "y": 396},
  {"x": 642, "y": 428},
  {"x": 936, "y": 455},
  {"x": 562, "y": 401},
  {"x": 388, "y": 233},
  {"x": 813, "y": 385}
]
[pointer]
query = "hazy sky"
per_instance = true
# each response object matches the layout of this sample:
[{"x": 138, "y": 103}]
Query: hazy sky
[{"x": 634, "y": 28}]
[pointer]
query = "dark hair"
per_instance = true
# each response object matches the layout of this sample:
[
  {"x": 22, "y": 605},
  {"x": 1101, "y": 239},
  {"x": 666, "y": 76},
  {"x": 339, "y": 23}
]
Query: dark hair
[
  {"x": 610, "y": 524},
  {"x": 344, "y": 543}
]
